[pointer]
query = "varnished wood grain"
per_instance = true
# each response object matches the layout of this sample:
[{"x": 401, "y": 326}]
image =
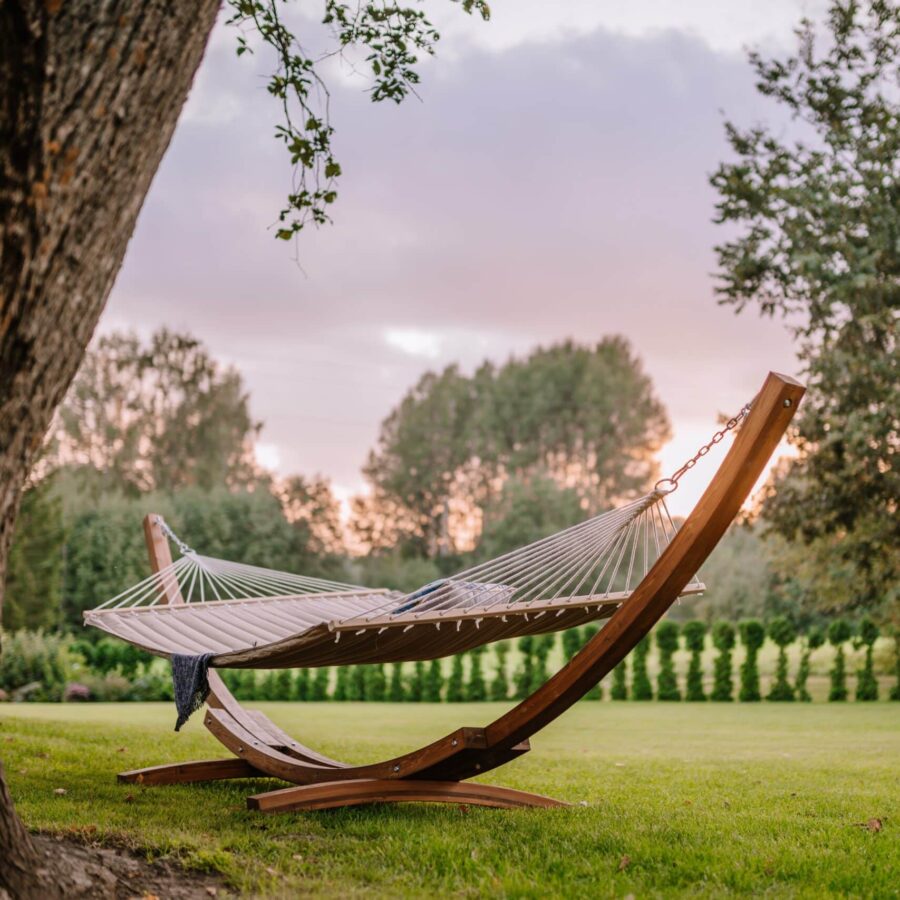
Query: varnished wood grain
[
  {"x": 185, "y": 773},
  {"x": 360, "y": 792}
]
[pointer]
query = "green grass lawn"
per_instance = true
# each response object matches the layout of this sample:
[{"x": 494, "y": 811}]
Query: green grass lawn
[{"x": 682, "y": 800}]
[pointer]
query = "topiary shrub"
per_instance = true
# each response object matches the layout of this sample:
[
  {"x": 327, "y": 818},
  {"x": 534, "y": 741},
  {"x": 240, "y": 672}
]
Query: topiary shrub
[
  {"x": 396, "y": 688},
  {"x": 572, "y": 640},
  {"x": 283, "y": 684},
  {"x": 543, "y": 645},
  {"x": 302, "y": 689},
  {"x": 456, "y": 681},
  {"x": 267, "y": 686},
  {"x": 341, "y": 685},
  {"x": 694, "y": 638},
  {"x": 415, "y": 688},
  {"x": 619, "y": 688},
  {"x": 230, "y": 678},
  {"x": 525, "y": 673},
  {"x": 667, "y": 642},
  {"x": 866, "y": 682},
  {"x": 815, "y": 637},
  {"x": 641, "y": 689},
  {"x": 376, "y": 683},
  {"x": 500, "y": 684},
  {"x": 752, "y": 637},
  {"x": 476, "y": 689},
  {"x": 244, "y": 684},
  {"x": 356, "y": 687},
  {"x": 318, "y": 690},
  {"x": 839, "y": 632},
  {"x": 434, "y": 682},
  {"x": 783, "y": 633},
  {"x": 723, "y": 681},
  {"x": 596, "y": 692},
  {"x": 895, "y": 690}
]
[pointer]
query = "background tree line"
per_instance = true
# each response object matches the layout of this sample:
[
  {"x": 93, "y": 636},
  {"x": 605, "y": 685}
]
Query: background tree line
[{"x": 465, "y": 468}]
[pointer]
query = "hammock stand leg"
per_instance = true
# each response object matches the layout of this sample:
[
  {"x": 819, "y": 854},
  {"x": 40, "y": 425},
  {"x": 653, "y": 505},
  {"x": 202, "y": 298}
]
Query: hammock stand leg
[
  {"x": 434, "y": 772},
  {"x": 191, "y": 772},
  {"x": 359, "y": 792}
]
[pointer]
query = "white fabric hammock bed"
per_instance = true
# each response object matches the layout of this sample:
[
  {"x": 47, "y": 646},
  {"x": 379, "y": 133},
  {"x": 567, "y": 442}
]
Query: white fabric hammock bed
[{"x": 250, "y": 617}]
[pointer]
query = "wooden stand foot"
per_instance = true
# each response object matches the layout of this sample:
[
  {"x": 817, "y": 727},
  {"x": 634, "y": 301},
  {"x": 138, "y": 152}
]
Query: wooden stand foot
[
  {"x": 332, "y": 794},
  {"x": 185, "y": 773}
]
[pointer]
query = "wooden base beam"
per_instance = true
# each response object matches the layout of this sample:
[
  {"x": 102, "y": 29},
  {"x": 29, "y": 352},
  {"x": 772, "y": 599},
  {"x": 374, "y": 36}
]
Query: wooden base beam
[
  {"x": 334, "y": 794},
  {"x": 189, "y": 772}
]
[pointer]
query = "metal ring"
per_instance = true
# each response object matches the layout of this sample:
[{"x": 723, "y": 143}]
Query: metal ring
[{"x": 660, "y": 490}]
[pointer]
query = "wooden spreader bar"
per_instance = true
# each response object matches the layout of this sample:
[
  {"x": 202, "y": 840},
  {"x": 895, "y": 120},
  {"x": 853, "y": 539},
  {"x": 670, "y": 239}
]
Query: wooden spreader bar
[{"x": 433, "y": 773}]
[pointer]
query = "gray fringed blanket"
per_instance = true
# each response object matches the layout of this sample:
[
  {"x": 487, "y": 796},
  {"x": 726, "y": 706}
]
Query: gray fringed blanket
[{"x": 190, "y": 683}]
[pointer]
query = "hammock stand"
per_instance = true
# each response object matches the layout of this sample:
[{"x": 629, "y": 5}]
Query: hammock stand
[{"x": 439, "y": 771}]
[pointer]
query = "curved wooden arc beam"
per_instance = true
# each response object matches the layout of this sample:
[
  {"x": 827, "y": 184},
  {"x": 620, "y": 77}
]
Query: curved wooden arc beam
[{"x": 760, "y": 434}]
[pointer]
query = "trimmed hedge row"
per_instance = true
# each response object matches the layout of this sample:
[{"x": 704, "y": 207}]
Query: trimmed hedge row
[{"x": 51, "y": 667}]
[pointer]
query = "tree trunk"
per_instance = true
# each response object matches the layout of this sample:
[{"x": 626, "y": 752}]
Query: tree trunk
[{"x": 89, "y": 96}]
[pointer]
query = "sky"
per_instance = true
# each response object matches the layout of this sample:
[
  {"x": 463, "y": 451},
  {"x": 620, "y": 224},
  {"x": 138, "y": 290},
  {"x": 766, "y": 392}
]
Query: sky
[{"x": 550, "y": 182}]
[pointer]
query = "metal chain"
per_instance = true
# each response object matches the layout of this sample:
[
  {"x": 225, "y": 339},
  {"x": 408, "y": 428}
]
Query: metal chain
[
  {"x": 183, "y": 548},
  {"x": 673, "y": 479}
]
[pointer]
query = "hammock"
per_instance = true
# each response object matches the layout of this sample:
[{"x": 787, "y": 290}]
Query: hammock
[{"x": 251, "y": 617}]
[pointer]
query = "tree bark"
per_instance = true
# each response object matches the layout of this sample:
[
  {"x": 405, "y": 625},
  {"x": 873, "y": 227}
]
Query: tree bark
[{"x": 89, "y": 96}]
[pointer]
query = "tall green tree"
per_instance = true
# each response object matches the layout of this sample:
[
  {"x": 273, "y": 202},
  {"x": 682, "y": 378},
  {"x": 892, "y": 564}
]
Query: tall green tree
[
  {"x": 311, "y": 508},
  {"x": 89, "y": 109},
  {"x": 34, "y": 575},
  {"x": 527, "y": 509},
  {"x": 156, "y": 416},
  {"x": 816, "y": 214},
  {"x": 583, "y": 416},
  {"x": 105, "y": 550}
]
